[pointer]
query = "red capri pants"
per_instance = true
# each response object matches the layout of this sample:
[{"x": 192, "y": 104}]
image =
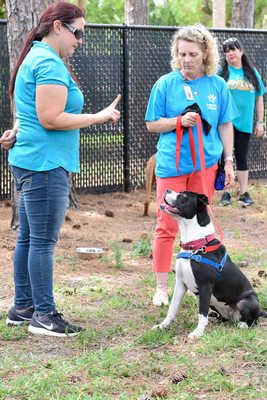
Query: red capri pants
[{"x": 167, "y": 227}]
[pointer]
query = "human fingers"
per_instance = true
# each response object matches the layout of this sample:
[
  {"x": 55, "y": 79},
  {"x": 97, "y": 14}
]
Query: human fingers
[
  {"x": 5, "y": 136},
  {"x": 190, "y": 119},
  {"x": 229, "y": 176},
  {"x": 8, "y": 144},
  {"x": 114, "y": 116},
  {"x": 115, "y": 102},
  {"x": 229, "y": 181},
  {"x": 259, "y": 132},
  {"x": 8, "y": 139}
]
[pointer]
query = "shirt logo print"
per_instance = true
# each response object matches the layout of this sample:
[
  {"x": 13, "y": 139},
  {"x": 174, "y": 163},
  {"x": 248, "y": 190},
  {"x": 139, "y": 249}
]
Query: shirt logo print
[{"x": 212, "y": 98}]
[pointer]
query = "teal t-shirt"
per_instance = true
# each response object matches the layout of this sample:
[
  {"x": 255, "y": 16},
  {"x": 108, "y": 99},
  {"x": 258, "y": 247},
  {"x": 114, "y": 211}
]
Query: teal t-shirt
[
  {"x": 244, "y": 95},
  {"x": 168, "y": 99},
  {"x": 37, "y": 148}
]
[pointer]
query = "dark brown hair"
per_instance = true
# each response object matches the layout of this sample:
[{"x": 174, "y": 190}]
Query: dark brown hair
[
  {"x": 62, "y": 11},
  {"x": 249, "y": 71}
]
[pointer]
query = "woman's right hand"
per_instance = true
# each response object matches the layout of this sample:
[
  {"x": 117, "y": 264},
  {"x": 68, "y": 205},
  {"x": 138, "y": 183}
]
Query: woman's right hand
[
  {"x": 8, "y": 139},
  {"x": 109, "y": 114},
  {"x": 189, "y": 119}
]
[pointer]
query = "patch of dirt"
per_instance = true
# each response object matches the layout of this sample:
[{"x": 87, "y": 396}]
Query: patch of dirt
[
  {"x": 99, "y": 221},
  {"x": 117, "y": 217}
]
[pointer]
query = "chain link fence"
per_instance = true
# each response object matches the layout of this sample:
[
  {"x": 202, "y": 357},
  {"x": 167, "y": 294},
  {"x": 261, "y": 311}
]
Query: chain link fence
[{"x": 127, "y": 60}]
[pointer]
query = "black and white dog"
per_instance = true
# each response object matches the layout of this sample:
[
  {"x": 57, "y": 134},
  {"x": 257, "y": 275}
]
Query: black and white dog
[{"x": 204, "y": 267}]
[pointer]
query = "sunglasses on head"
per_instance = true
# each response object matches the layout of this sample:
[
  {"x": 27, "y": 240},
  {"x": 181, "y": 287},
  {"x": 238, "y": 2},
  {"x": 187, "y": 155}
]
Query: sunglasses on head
[
  {"x": 78, "y": 33},
  {"x": 231, "y": 44}
]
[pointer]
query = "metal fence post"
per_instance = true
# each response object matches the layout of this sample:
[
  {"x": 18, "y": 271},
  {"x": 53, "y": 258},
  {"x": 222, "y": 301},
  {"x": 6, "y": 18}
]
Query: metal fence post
[{"x": 126, "y": 125}]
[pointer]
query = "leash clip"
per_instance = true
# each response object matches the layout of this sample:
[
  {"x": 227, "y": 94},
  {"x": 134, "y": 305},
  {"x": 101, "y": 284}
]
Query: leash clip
[{"x": 194, "y": 252}]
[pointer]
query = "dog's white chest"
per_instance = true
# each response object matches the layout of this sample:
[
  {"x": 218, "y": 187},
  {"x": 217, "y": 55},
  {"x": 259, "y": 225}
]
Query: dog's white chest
[{"x": 184, "y": 272}]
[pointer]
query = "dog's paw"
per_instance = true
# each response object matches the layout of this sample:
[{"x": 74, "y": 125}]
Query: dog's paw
[
  {"x": 159, "y": 326},
  {"x": 242, "y": 325},
  {"x": 196, "y": 334}
]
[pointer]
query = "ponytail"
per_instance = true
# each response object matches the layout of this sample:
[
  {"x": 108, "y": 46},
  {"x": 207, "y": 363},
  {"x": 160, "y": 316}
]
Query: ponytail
[
  {"x": 25, "y": 50},
  {"x": 62, "y": 11}
]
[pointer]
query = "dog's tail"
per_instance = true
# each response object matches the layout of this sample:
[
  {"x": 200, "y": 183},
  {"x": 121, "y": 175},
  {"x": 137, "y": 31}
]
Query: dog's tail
[
  {"x": 263, "y": 313},
  {"x": 150, "y": 182}
]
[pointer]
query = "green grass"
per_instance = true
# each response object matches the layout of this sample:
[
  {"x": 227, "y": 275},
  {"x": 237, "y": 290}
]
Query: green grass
[
  {"x": 142, "y": 248},
  {"x": 116, "y": 258},
  {"x": 118, "y": 356},
  {"x": 11, "y": 333}
]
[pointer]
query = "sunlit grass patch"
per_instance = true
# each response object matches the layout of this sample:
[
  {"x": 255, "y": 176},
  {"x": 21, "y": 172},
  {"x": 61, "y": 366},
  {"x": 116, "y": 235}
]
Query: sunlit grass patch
[
  {"x": 142, "y": 248},
  {"x": 12, "y": 333}
]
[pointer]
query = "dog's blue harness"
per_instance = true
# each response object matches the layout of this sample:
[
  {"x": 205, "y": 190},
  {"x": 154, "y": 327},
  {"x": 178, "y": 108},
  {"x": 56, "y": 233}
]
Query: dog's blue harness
[{"x": 192, "y": 256}]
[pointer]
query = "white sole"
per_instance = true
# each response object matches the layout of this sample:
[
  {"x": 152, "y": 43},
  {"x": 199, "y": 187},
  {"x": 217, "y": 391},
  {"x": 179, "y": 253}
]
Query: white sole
[
  {"x": 225, "y": 204},
  {"x": 42, "y": 331},
  {"x": 244, "y": 205},
  {"x": 15, "y": 323}
]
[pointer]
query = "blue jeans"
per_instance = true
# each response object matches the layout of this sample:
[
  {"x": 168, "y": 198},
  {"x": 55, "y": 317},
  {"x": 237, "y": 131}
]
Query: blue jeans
[{"x": 43, "y": 200}]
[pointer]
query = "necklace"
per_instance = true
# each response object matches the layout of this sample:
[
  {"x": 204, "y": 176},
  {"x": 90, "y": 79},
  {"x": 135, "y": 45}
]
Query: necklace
[
  {"x": 190, "y": 91},
  {"x": 195, "y": 90}
]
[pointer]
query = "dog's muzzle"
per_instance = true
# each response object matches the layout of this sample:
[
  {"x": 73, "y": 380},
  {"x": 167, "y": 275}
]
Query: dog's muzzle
[{"x": 167, "y": 207}]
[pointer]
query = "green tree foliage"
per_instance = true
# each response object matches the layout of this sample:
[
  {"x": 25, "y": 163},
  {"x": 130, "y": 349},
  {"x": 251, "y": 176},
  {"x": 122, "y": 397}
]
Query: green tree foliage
[
  {"x": 261, "y": 14},
  {"x": 104, "y": 11},
  {"x": 172, "y": 13},
  {"x": 175, "y": 13},
  {"x": 2, "y": 9}
]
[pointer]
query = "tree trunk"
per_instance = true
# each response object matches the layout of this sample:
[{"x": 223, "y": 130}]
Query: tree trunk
[
  {"x": 73, "y": 203},
  {"x": 243, "y": 14},
  {"x": 82, "y": 3},
  {"x": 218, "y": 13},
  {"x": 135, "y": 12},
  {"x": 22, "y": 16}
]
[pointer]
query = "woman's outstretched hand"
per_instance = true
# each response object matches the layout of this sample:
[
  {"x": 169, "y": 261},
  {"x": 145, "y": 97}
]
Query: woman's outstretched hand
[{"x": 109, "y": 114}]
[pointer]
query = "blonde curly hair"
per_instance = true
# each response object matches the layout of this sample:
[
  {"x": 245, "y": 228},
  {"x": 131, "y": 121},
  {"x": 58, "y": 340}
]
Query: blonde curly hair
[{"x": 196, "y": 34}]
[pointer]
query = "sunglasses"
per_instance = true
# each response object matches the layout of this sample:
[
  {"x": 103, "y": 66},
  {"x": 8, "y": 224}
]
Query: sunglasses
[
  {"x": 78, "y": 33},
  {"x": 231, "y": 44}
]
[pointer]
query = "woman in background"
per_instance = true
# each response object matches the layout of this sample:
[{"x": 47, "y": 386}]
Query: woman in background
[{"x": 247, "y": 89}]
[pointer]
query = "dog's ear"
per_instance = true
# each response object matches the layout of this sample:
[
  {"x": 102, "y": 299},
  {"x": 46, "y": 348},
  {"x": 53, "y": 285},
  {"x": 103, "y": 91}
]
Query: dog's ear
[
  {"x": 203, "y": 217},
  {"x": 202, "y": 199}
]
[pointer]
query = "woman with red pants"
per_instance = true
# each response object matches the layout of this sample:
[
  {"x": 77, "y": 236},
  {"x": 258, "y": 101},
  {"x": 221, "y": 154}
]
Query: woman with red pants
[{"x": 192, "y": 83}]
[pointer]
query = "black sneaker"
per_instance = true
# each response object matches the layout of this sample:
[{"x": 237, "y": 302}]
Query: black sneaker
[
  {"x": 17, "y": 317},
  {"x": 52, "y": 324},
  {"x": 245, "y": 200},
  {"x": 226, "y": 199}
]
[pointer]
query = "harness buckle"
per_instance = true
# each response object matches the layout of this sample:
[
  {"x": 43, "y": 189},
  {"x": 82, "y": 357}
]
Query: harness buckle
[{"x": 197, "y": 258}]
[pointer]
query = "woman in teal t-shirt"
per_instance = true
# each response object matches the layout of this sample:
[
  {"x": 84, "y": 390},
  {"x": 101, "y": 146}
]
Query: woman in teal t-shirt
[
  {"x": 44, "y": 148},
  {"x": 191, "y": 86},
  {"x": 247, "y": 89}
]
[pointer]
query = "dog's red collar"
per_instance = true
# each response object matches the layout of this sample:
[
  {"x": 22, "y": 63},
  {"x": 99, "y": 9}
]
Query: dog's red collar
[{"x": 200, "y": 244}]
